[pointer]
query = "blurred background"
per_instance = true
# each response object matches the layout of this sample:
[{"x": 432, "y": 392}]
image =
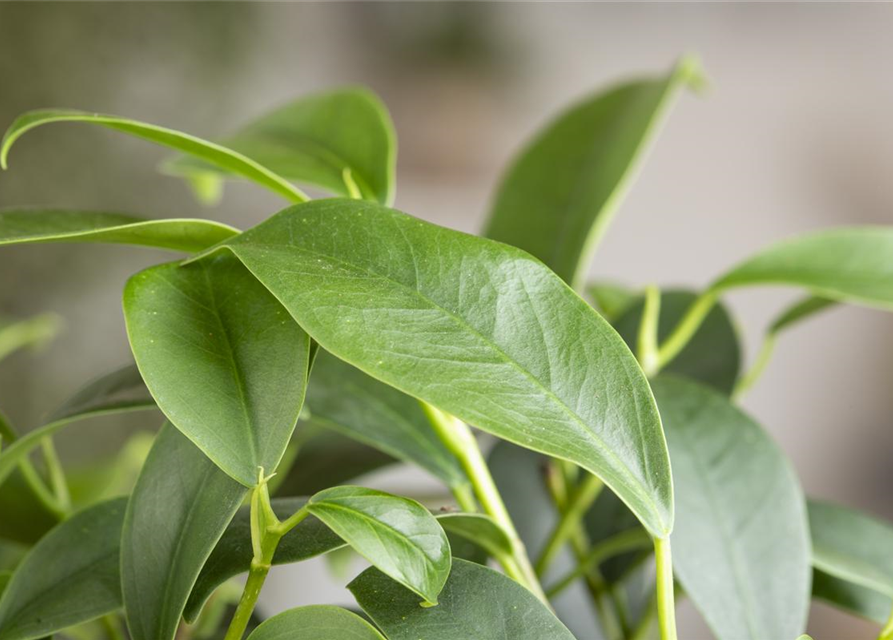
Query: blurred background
[{"x": 793, "y": 135}]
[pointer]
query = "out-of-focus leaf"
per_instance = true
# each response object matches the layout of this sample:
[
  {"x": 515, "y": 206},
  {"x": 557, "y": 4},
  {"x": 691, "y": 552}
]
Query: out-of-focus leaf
[
  {"x": 316, "y": 622},
  {"x": 35, "y": 332},
  {"x": 611, "y": 299},
  {"x": 112, "y": 476},
  {"x": 858, "y": 600},
  {"x": 481, "y": 529}
]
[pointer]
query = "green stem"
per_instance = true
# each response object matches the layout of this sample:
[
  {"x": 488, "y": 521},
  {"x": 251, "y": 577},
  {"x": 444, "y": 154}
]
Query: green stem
[
  {"x": 56, "y": 474},
  {"x": 112, "y": 628},
  {"x": 759, "y": 365},
  {"x": 643, "y": 627},
  {"x": 574, "y": 510},
  {"x": 647, "y": 347},
  {"x": 887, "y": 631},
  {"x": 464, "y": 495},
  {"x": 666, "y": 606},
  {"x": 460, "y": 441},
  {"x": 685, "y": 330},
  {"x": 41, "y": 492}
]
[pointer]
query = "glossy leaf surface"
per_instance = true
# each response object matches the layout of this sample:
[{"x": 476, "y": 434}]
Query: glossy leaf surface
[
  {"x": 316, "y": 622},
  {"x": 223, "y": 359},
  {"x": 476, "y": 602},
  {"x": 561, "y": 192},
  {"x": 182, "y": 234},
  {"x": 69, "y": 577},
  {"x": 476, "y": 328},
  {"x": 741, "y": 544},
  {"x": 180, "y": 506},
  {"x": 397, "y": 535},
  {"x": 313, "y": 140},
  {"x": 214, "y": 154}
]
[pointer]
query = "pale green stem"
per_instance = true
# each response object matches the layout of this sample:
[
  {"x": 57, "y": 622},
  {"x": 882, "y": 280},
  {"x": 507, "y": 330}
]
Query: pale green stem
[
  {"x": 647, "y": 346},
  {"x": 685, "y": 330},
  {"x": 575, "y": 508},
  {"x": 56, "y": 474},
  {"x": 666, "y": 606},
  {"x": 460, "y": 441},
  {"x": 887, "y": 631},
  {"x": 38, "y": 486},
  {"x": 464, "y": 495},
  {"x": 351, "y": 184},
  {"x": 759, "y": 365}
]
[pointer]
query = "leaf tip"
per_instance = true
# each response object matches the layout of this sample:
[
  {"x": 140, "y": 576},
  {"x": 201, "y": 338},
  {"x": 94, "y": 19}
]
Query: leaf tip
[{"x": 690, "y": 72}]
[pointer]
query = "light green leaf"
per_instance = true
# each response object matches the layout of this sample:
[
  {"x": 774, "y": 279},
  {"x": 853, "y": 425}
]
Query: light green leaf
[
  {"x": 741, "y": 544},
  {"x": 397, "y": 535},
  {"x": 559, "y": 196},
  {"x": 69, "y": 577},
  {"x": 222, "y": 358},
  {"x": 801, "y": 310},
  {"x": 316, "y": 622},
  {"x": 34, "y": 332},
  {"x": 852, "y": 546},
  {"x": 845, "y": 265},
  {"x": 209, "y": 152},
  {"x": 180, "y": 234},
  {"x": 861, "y": 601},
  {"x": 343, "y": 398},
  {"x": 480, "y": 529},
  {"x": 611, "y": 299},
  {"x": 314, "y": 140},
  {"x": 180, "y": 506},
  {"x": 712, "y": 356},
  {"x": 476, "y": 602},
  {"x": 474, "y": 327}
]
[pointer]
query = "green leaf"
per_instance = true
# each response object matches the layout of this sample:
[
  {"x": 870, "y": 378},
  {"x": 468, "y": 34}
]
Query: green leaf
[
  {"x": 214, "y": 154},
  {"x": 712, "y": 356},
  {"x": 480, "y": 529},
  {"x": 799, "y": 311},
  {"x": 845, "y": 265},
  {"x": 69, "y": 577},
  {"x": 4, "y": 580},
  {"x": 476, "y": 602},
  {"x": 117, "y": 392},
  {"x": 741, "y": 544},
  {"x": 26, "y": 519},
  {"x": 343, "y": 398},
  {"x": 397, "y": 535},
  {"x": 559, "y": 196},
  {"x": 611, "y": 299},
  {"x": 34, "y": 332},
  {"x": 474, "y": 327},
  {"x": 224, "y": 361},
  {"x": 316, "y": 622},
  {"x": 180, "y": 234},
  {"x": 858, "y": 600},
  {"x": 314, "y": 140},
  {"x": 852, "y": 546},
  {"x": 180, "y": 506},
  {"x": 233, "y": 552}
]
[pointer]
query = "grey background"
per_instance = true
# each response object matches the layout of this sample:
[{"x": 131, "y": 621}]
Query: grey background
[{"x": 795, "y": 134}]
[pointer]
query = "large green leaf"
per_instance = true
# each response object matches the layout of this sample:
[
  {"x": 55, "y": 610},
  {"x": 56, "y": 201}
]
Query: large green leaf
[
  {"x": 343, "y": 398},
  {"x": 712, "y": 356},
  {"x": 560, "y": 194},
  {"x": 314, "y": 140},
  {"x": 476, "y": 602},
  {"x": 180, "y": 506},
  {"x": 397, "y": 535},
  {"x": 214, "y": 154},
  {"x": 846, "y": 264},
  {"x": 474, "y": 327},
  {"x": 69, "y": 577},
  {"x": 223, "y": 359},
  {"x": 180, "y": 234},
  {"x": 741, "y": 544},
  {"x": 861, "y": 601},
  {"x": 316, "y": 622}
]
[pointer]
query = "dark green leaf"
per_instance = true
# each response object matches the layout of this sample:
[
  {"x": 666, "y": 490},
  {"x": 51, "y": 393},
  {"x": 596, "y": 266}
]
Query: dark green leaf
[
  {"x": 69, "y": 577},
  {"x": 316, "y": 622},
  {"x": 397, "y": 535},
  {"x": 214, "y": 154},
  {"x": 851, "y": 597},
  {"x": 476, "y": 603},
  {"x": 481, "y": 529},
  {"x": 25, "y": 518},
  {"x": 223, "y": 359},
  {"x": 181, "y": 505},
  {"x": 713, "y": 356},
  {"x": 313, "y": 140},
  {"x": 474, "y": 327},
  {"x": 741, "y": 543},
  {"x": 560, "y": 194},
  {"x": 4, "y": 580},
  {"x": 182, "y": 234},
  {"x": 345, "y": 399}
]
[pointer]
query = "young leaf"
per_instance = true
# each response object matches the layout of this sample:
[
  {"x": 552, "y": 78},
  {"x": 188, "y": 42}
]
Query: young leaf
[
  {"x": 224, "y": 361},
  {"x": 852, "y": 546},
  {"x": 315, "y": 140},
  {"x": 180, "y": 234},
  {"x": 180, "y": 506},
  {"x": 845, "y": 265},
  {"x": 560, "y": 194},
  {"x": 713, "y": 356},
  {"x": 861, "y": 601},
  {"x": 474, "y": 327},
  {"x": 316, "y": 622},
  {"x": 741, "y": 544},
  {"x": 343, "y": 398},
  {"x": 476, "y": 602},
  {"x": 69, "y": 577},
  {"x": 397, "y": 535},
  {"x": 209, "y": 152}
]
